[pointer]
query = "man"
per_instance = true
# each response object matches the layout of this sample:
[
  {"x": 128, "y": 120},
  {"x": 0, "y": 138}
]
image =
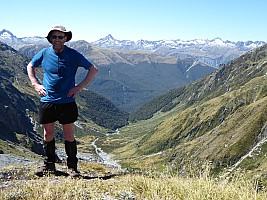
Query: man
[{"x": 58, "y": 92}]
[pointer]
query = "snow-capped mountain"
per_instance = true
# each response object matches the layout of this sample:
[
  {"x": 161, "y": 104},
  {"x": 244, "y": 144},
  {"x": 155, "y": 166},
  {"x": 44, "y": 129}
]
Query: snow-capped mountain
[
  {"x": 110, "y": 42},
  {"x": 212, "y": 52},
  {"x": 11, "y": 40},
  {"x": 35, "y": 40},
  {"x": 7, "y": 37}
]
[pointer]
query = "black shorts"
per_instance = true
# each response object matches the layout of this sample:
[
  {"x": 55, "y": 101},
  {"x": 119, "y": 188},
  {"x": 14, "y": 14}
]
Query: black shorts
[{"x": 64, "y": 113}]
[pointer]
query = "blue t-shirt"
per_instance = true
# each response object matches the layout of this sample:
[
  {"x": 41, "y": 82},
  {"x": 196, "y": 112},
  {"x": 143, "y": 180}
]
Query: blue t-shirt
[{"x": 59, "y": 72}]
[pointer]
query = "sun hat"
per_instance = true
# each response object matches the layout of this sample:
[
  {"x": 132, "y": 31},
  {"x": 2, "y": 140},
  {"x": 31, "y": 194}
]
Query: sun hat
[{"x": 61, "y": 29}]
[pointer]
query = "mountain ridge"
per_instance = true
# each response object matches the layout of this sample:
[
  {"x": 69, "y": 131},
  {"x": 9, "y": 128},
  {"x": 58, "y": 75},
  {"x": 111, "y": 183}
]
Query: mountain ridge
[{"x": 110, "y": 41}]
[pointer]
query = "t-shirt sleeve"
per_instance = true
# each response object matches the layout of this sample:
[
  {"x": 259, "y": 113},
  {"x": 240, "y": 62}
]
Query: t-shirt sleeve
[
  {"x": 37, "y": 59},
  {"x": 83, "y": 62}
]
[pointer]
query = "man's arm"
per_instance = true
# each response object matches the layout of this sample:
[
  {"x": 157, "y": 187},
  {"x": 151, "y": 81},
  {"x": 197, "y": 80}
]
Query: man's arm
[
  {"x": 37, "y": 87},
  {"x": 92, "y": 72}
]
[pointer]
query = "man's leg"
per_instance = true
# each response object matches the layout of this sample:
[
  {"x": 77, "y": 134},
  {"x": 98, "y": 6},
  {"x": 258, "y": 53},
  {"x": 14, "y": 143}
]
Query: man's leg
[
  {"x": 71, "y": 149},
  {"x": 49, "y": 150},
  {"x": 49, "y": 145}
]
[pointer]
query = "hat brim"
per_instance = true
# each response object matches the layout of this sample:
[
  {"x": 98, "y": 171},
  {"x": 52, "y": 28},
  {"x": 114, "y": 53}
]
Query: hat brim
[{"x": 67, "y": 33}]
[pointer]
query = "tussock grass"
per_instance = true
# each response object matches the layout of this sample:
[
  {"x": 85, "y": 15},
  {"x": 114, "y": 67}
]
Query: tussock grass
[
  {"x": 151, "y": 186},
  {"x": 193, "y": 188}
]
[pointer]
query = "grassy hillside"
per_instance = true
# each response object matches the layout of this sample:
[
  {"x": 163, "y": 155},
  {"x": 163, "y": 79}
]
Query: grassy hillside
[
  {"x": 219, "y": 118},
  {"x": 100, "y": 110}
]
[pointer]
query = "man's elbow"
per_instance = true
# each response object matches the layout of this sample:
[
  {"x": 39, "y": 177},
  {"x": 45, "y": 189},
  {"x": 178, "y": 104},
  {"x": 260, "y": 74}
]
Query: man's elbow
[
  {"x": 29, "y": 67},
  {"x": 94, "y": 70}
]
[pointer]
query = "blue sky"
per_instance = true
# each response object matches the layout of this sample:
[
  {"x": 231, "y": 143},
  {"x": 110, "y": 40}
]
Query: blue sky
[{"x": 90, "y": 20}]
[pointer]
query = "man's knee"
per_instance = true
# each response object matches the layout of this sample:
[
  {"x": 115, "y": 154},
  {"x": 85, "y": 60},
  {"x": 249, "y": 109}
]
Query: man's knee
[
  {"x": 49, "y": 131},
  {"x": 68, "y": 130}
]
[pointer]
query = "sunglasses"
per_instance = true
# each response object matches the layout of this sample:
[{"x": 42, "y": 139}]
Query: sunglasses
[{"x": 57, "y": 37}]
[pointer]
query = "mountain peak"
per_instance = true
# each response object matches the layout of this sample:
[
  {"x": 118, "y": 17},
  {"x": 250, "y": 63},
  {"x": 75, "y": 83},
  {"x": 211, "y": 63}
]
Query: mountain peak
[
  {"x": 7, "y": 37},
  {"x": 109, "y": 37},
  {"x": 6, "y": 32}
]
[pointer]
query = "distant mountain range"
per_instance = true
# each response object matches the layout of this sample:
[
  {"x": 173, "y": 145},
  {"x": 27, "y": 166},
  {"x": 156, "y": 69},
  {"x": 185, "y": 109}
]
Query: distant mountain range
[
  {"x": 110, "y": 42},
  {"x": 212, "y": 52}
]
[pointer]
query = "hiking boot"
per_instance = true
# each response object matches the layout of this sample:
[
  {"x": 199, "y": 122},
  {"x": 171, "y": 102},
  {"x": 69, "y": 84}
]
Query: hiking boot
[
  {"x": 45, "y": 169},
  {"x": 74, "y": 173}
]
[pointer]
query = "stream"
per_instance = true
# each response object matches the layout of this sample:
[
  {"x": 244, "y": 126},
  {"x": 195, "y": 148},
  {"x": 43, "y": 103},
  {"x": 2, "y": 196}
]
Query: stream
[
  {"x": 105, "y": 158},
  {"x": 100, "y": 156},
  {"x": 249, "y": 154}
]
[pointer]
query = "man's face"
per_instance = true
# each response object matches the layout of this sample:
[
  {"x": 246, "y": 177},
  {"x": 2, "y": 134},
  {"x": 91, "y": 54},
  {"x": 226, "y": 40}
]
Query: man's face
[{"x": 58, "y": 39}]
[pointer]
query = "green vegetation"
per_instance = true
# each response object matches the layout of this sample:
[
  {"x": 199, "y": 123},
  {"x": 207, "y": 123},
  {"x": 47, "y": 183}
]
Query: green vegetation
[
  {"x": 100, "y": 110},
  {"x": 163, "y": 102}
]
